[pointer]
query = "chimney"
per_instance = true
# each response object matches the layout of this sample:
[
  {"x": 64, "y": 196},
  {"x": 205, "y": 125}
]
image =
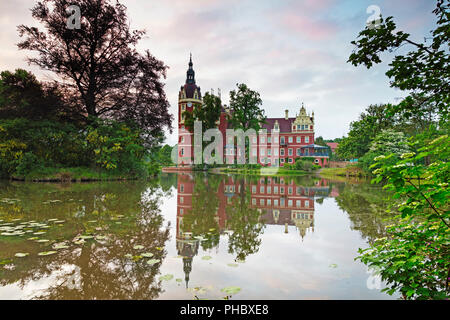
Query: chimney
[{"x": 286, "y": 114}]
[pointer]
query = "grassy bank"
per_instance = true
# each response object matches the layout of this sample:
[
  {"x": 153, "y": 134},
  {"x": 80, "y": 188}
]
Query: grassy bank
[
  {"x": 72, "y": 174},
  {"x": 259, "y": 172},
  {"x": 350, "y": 171}
]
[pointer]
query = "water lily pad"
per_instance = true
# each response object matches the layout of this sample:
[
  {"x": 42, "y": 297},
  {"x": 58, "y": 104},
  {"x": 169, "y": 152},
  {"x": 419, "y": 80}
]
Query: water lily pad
[
  {"x": 333, "y": 265},
  {"x": 118, "y": 222},
  {"x": 231, "y": 290},
  {"x": 61, "y": 246},
  {"x": 81, "y": 241},
  {"x": 21, "y": 254},
  {"x": 234, "y": 265},
  {"x": 85, "y": 237},
  {"x": 206, "y": 258},
  {"x": 166, "y": 277},
  {"x": 147, "y": 255},
  {"x": 128, "y": 256},
  {"x": 60, "y": 221},
  {"x": 42, "y": 240},
  {"x": 40, "y": 232},
  {"x": 49, "y": 220},
  {"x": 159, "y": 248},
  {"x": 153, "y": 261},
  {"x": 33, "y": 238},
  {"x": 100, "y": 237},
  {"x": 179, "y": 280},
  {"x": 46, "y": 253},
  {"x": 138, "y": 247}
]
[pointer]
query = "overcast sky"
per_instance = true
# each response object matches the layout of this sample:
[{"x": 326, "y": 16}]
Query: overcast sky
[{"x": 289, "y": 51}]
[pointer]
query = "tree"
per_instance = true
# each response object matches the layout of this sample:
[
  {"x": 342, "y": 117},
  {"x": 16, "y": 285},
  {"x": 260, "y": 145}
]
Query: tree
[
  {"x": 208, "y": 114},
  {"x": 246, "y": 112},
  {"x": 363, "y": 131},
  {"x": 386, "y": 142},
  {"x": 99, "y": 62},
  {"x": 23, "y": 96},
  {"x": 423, "y": 72},
  {"x": 413, "y": 257}
]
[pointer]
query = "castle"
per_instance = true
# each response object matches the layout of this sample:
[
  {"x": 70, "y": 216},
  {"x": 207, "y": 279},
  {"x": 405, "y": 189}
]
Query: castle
[{"x": 287, "y": 138}]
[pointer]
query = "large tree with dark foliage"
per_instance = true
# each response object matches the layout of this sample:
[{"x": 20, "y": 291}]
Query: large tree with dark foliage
[{"x": 99, "y": 62}]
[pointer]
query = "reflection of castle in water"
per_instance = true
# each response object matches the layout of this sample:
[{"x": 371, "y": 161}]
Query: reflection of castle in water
[{"x": 279, "y": 200}]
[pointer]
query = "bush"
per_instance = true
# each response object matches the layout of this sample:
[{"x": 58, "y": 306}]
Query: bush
[{"x": 28, "y": 163}]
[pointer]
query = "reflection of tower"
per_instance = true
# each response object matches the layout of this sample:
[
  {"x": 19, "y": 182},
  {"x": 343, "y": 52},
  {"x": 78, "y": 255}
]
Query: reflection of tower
[
  {"x": 303, "y": 220},
  {"x": 187, "y": 247}
]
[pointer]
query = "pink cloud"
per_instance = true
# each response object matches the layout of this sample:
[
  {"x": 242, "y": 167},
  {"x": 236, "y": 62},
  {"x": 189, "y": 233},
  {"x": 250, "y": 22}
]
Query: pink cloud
[{"x": 313, "y": 29}]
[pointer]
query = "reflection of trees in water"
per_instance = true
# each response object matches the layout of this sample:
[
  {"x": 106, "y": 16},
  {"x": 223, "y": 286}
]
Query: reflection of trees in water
[
  {"x": 366, "y": 206},
  {"x": 98, "y": 270},
  {"x": 245, "y": 223}
]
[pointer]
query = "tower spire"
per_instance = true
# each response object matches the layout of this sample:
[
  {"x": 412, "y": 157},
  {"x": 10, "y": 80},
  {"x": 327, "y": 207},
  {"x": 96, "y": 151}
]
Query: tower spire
[{"x": 190, "y": 74}]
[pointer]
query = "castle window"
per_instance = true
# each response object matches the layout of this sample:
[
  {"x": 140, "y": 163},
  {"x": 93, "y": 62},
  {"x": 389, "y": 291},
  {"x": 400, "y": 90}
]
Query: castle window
[
  {"x": 269, "y": 202},
  {"x": 269, "y": 189},
  {"x": 306, "y": 139},
  {"x": 253, "y": 189},
  {"x": 181, "y": 187},
  {"x": 297, "y": 203},
  {"x": 269, "y": 140},
  {"x": 281, "y": 152},
  {"x": 262, "y": 140},
  {"x": 282, "y": 140},
  {"x": 275, "y": 189},
  {"x": 299, "y": 152},
  {"x": 306, "y": 203},
  {"x": 290, "y": 160},
  {"x": 261, "y": 202},
  {"x": 275, "y": 202},
  {"x": 183, "y": 107},
  {"x": 290, "y": 152},
  {"x": 261, "y": 189},
  {"x": 299, "y": 139},
  {"x": 253, "y": 201},
  {"x": 290, "y": 203},
  {"x": 290, "y": 139},
  {"x": 269, "y": 152}
]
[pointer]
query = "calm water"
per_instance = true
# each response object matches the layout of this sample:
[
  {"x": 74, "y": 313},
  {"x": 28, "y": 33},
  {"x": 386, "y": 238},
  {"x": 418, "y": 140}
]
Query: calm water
[{"x": 189, "y": 236}]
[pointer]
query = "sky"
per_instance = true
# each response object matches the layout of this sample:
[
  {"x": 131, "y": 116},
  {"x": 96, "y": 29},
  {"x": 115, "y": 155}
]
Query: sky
[{"x": 289, "y": 51}]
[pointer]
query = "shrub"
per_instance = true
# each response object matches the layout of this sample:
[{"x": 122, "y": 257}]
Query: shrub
[{"x": 28, "y": 163}]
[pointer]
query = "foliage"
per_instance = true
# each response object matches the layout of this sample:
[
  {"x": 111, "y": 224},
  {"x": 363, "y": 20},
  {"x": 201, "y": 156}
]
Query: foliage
[
  {"x": 208, "y": 114},
  {"x": 414, "y": 257},
  {"x": 246, "y": 112},
  {"x": 386, "y": 142},
  {"x": 102, "y": 69},
  {"x": 28, "y": 146},
  {"x": 22, "y": 95},
  {"x": 363, "y": 131},
  {"x": 115, "y": 145},
  {"x": 423, "y": 72}
]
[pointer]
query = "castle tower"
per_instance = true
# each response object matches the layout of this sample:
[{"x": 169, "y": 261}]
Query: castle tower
[{"x": 189, "y": 98}]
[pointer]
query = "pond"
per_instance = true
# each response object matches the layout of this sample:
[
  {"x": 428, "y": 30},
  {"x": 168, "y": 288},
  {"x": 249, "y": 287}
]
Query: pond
[{"x": 190, "y": 236}]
